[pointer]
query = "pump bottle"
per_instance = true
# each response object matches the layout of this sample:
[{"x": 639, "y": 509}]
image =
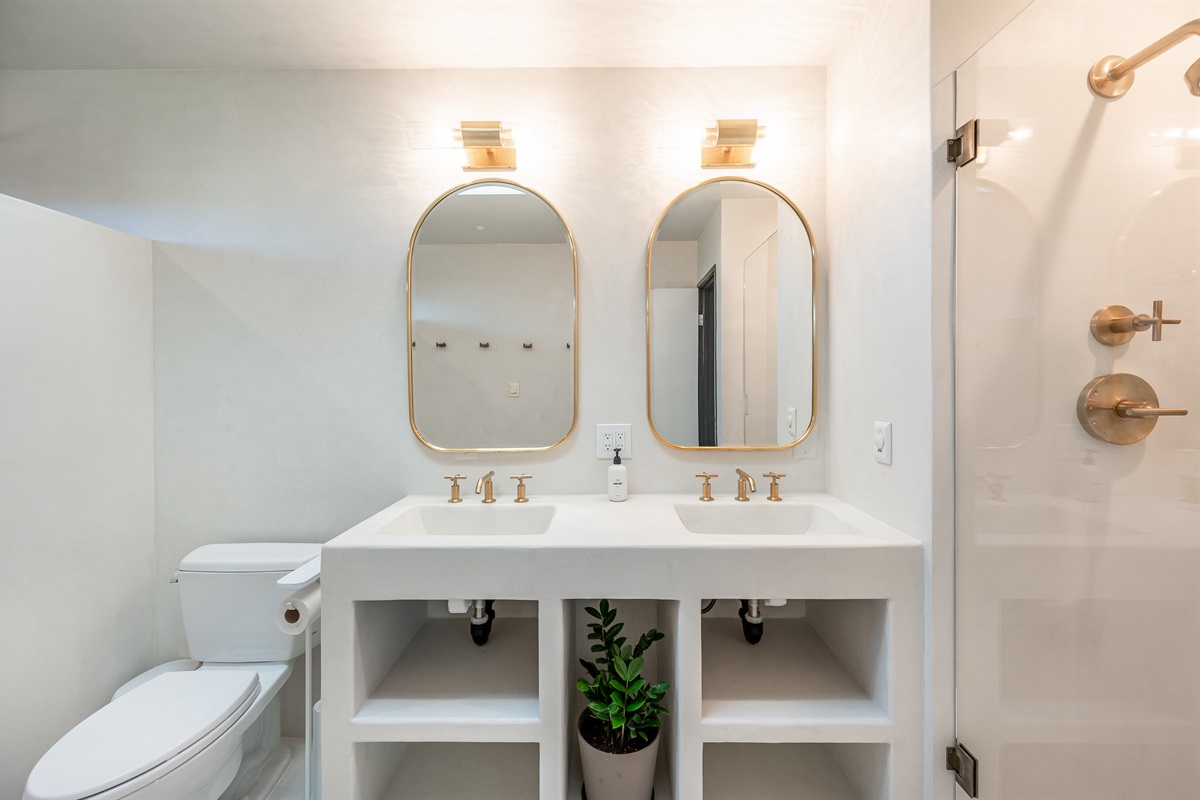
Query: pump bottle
[{"x": 618, "y": 479}]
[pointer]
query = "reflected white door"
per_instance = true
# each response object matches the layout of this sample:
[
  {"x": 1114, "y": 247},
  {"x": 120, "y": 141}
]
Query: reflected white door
[{"x": 1078, "y": 561}]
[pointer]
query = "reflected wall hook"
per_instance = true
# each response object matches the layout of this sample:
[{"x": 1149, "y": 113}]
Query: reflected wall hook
[
  {"x": 439, "y": 344},
  {"x": 485, "y": 345},
  {"x": 527, "y": 345},
  {"x": 1121, "y": 408}
]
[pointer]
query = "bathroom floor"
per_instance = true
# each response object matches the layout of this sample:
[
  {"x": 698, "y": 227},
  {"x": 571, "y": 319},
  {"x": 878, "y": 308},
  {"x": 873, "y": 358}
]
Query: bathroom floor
[{"x": 291, "y": 785}]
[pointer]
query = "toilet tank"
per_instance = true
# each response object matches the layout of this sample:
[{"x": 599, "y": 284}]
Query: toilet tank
[{"x": 228, "y": 595}]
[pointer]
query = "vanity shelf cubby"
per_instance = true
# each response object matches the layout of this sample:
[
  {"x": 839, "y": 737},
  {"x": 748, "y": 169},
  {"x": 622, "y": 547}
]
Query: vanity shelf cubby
[
  {"x": 818, "y": 674},
  {"x": 795, "y": 771},
  {"x": 446, "y": 770},
  {"x": 429, "y": 679}
]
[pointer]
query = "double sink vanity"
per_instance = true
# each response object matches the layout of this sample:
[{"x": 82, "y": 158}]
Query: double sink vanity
[
  {"x": 826, "y": 704},
  {"x": 453, "y": 629}
]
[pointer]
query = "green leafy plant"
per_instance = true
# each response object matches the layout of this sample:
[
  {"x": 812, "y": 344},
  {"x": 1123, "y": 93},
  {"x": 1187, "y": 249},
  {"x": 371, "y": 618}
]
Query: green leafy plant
[{"x": 624, "y": 708}]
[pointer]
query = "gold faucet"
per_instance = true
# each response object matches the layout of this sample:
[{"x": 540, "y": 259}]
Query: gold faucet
[
  {"x": 774, "y": 476},
  {"x": 454, "y": 490},
  {"x": 745, "y": 480},
  {"x": 520, "y": 479},
  {"x": 485, "y": 485},
  {"x": 706, "y": 489}
]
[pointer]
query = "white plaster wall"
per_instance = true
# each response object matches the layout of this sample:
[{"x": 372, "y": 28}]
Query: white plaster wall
[
  {"x": 960, "y": 27},
  {"x": 282, "y": 204},
  {"x": 879, "y": 274},
  {"x": 881, "y": 289},
  {"x": 76, "y": 475}
]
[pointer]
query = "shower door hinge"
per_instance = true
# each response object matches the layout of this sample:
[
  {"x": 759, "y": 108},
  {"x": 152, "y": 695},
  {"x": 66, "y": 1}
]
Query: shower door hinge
[
  {"x": 965, "y": 768},
  {"x": 961, "y": 150},
  {"x": 700, "y": 320}
]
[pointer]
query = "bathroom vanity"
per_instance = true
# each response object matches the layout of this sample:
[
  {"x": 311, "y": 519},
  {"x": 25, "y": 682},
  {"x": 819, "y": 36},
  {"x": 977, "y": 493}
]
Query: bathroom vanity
[{"x": 826, "y": 705}]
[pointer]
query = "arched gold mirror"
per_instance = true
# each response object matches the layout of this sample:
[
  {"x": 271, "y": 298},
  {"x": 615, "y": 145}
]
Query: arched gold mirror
[
  {"x": 492, "y": 323},
  {"x": 731, "y": 275}
]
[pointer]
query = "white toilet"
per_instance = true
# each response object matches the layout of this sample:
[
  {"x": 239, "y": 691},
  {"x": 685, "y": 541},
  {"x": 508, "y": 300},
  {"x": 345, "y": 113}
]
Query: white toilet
[{"x": 207, "y": 728}]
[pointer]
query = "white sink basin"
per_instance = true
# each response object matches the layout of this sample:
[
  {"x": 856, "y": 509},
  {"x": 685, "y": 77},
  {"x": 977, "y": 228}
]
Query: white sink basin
[
  {"x": 761, "y": 518},
  {"x": 476, "y": 520}
]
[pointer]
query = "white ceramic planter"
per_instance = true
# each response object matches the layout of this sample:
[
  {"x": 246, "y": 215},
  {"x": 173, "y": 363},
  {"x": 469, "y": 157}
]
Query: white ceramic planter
[{"x": 608, "y": 776}]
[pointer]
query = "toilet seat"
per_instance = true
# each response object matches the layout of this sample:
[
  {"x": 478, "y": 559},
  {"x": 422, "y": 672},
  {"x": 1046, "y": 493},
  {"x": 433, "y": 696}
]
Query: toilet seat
[{"x": 175, "y": 714}]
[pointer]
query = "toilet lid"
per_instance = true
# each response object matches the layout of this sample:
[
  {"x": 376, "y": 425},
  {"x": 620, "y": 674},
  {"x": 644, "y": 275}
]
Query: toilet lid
[{"x": 138, "y": 731}]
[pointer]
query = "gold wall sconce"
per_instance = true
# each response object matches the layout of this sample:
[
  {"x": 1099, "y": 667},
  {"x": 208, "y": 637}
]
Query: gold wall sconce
[
  {"x": 487, "y": 145},
  {"x": 730, "y": 143}
]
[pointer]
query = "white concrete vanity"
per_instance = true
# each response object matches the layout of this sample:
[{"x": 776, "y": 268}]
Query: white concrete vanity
[{"x": 826, "y": 705}]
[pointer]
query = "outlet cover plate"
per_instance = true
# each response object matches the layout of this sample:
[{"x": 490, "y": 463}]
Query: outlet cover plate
[{"x": 609, "y": 436}]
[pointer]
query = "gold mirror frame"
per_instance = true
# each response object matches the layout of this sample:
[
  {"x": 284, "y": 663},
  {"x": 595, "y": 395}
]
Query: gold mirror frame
[
  {"x": 412, "y": 243},
  {"x": 649, "y": 337}
]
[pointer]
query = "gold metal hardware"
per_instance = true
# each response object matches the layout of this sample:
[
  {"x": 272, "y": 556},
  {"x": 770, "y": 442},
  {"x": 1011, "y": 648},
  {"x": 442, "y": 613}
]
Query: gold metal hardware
[
  {"x": 706, "y": 489},
  {"x": 488, "y": 145},
  {"x": 730, "y": 143},
  {"x": 484, "y": 485},
  {"x": 813, "y": 355},
  {"x": 520, "y": 479},
  {"x": 962, "y": 150},
  {"x": 1116, "y": 325},
  {"x": 455, "y": 496},
  {"x": 409, "y": 316},
  {"x": 1121, "y": 408},
  {"x": 774, "y": 476},
  {"x": 745, "y": 480},
  {"x": 1111, "y": 76}
]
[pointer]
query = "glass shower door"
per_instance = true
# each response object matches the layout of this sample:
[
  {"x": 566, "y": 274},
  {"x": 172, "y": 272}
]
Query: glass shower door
[{"x": 1078, "y": 560}]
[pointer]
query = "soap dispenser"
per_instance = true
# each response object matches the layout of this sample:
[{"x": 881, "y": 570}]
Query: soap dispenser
[{"x": 618, "y": 478}]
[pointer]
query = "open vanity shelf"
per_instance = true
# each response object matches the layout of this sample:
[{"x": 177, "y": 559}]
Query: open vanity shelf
[
  {"x": 442, "y": 683},
  {"x": 807, "y": 680}
]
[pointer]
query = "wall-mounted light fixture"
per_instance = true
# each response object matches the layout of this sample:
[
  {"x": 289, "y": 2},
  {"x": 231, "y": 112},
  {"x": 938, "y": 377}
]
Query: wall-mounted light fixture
[
  {"x": 730, "y": 143},
  {"x": 487, "y": 145}
]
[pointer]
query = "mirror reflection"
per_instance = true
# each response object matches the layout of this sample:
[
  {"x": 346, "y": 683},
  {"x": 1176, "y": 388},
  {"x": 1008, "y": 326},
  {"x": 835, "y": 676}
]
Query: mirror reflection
[
  {"x": 491, "y": 321},
  {"x": 730, "y": 276}
]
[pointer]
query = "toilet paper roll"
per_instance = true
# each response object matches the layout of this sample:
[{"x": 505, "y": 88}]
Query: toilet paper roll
[{"x": 299, "y": 610}]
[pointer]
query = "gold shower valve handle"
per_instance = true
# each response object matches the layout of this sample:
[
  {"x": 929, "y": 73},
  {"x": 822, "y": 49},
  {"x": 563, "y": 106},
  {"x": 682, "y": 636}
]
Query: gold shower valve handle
[
  {"x": 1115, "y": 325},
  {"x": 455, "y": 496},
  {"x": 520, "y": 479},
  {"x": 706, "y": 489},
  {"x": 1120, "y": 408},
  {"x": 1133, "y": 410},
  {"x": 774, "y": 476}
]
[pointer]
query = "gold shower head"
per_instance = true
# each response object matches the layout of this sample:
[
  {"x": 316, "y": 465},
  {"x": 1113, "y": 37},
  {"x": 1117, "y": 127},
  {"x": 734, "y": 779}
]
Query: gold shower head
[{"x": 1192, "y": 76}]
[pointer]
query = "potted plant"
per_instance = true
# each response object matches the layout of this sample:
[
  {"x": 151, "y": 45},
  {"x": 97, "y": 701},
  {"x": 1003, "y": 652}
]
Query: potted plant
[{"x": 618, "y": 731}]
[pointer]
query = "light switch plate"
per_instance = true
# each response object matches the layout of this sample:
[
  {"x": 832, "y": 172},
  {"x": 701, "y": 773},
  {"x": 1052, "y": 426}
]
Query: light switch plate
[
  {"x": 883, "y": 442},
  {"x": 610, "y": 437}
]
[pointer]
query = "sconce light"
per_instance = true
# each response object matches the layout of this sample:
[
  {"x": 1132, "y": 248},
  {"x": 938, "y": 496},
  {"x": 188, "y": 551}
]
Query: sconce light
[
  {"x": 730, "y": 143},
  {"x": 487, "y": 145}
]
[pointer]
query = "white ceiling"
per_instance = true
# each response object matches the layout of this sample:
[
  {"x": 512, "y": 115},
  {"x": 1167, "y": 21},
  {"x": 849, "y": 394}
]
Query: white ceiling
[{"x": 420, "y": 34}]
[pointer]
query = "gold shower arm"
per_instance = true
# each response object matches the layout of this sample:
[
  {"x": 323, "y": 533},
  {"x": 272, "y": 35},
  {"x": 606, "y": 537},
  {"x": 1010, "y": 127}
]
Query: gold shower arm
[{"x": 1112, "y": 76}]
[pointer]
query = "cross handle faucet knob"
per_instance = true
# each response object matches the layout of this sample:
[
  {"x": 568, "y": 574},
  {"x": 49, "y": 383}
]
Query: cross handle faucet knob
[
  {"x": 520, "y": 479},
  {"x": 455, "y": 496},
  {"x": 706, "y": 489}
]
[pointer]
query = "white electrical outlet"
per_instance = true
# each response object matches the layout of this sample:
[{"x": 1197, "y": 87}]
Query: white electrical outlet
[{"x": 610, "y": 437}]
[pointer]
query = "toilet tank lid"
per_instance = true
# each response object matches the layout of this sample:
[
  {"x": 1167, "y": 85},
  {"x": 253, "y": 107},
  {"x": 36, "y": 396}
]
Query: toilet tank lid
[{"x": 250, "y": 557}]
